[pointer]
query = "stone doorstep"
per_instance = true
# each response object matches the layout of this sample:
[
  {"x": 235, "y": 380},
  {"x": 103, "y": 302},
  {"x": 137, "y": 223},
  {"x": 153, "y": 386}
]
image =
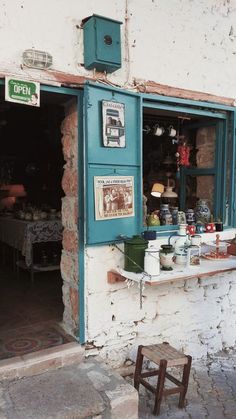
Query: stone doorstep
[
  {"x": 41, "y": 361},
  {"x": 89, "y": 389}
]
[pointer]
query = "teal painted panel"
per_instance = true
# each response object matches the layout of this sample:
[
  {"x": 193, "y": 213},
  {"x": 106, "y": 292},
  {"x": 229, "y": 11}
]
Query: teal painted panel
[
  {"x": 96, "y": 152},
  {"x": 102, "y": 44},
  {"x": 233, "y": 171},
  {"x": 110, "y": 230},
  {"x": 108, "y": 41}
]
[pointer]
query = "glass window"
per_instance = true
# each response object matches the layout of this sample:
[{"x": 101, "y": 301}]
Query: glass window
[{"x": 183, "y": 155}]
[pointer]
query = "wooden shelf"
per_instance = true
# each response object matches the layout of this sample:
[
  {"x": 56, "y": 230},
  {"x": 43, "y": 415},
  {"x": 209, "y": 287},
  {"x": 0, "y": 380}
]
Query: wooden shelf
[{"x": 207, "y": 268}]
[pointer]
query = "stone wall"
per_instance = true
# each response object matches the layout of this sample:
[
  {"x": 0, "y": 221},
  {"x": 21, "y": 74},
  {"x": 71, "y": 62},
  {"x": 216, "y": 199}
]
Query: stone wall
[
  {"x": 69, "y": 259},
  {"x": 196, "y": 315}
]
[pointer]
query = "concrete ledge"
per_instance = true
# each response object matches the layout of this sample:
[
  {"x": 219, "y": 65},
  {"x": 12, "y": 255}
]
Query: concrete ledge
[{"x": 41, "y": 361}]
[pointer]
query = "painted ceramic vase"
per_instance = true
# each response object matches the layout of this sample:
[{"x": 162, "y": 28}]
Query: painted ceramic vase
[
  {"x": 165, "y": 215},
  {"x": 174, "y": 213},
  {"x": 190, "y": 216},
  {"x": 202, "y": 211}
]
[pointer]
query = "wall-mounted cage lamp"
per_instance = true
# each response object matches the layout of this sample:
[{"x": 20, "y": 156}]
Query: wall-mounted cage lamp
[
  {"x": 37, "y": 59},
  {"x": 157, "y": 190}
]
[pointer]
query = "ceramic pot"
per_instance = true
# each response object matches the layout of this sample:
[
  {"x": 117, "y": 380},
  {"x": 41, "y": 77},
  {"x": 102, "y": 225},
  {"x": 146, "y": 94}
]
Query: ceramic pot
[
  {"x": 152, "y": 261},
  {"x": 202, "y": 211},
  {"x": 200, "y": 228},
  {"x": 219, "y": 226},
  {"x": 165, "y": 215},
  {"x": 191, "y": 229},
  {"x": 174, "y": 213},
  {"x": 167, "y": 257},
  {"x": 210, "y": 227},
  {"x": 190, "y": 216}
]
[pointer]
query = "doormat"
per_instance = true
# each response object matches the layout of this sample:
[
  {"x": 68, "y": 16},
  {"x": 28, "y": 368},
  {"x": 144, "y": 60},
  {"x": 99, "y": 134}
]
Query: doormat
[{"x": 29, "y": 339}]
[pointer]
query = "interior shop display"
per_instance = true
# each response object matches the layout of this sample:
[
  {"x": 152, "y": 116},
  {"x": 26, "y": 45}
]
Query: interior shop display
[{"x": 176, "y": 158}]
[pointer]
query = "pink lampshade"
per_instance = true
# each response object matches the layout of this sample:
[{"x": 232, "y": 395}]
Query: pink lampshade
[{"x": 15, "y": 190}]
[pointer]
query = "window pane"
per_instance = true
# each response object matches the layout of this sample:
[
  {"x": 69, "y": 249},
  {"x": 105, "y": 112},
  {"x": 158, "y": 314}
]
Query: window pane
[
  {"x": 205, "y": 147},
  {"x": 199, "y": 187}
]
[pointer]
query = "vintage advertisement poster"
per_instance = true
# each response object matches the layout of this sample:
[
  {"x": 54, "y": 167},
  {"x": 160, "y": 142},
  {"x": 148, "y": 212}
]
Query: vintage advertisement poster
[
  {"x": 113, "y": 117},
  {"x": 114, "y": 197}
]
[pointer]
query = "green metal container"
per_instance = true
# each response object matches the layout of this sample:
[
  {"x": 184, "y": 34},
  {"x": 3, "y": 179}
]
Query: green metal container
[{"x": 134, "y": 254}]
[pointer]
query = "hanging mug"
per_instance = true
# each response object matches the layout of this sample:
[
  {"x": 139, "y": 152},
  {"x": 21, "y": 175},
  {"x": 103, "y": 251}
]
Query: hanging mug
[
  {"x": 158, "y": 131},
  {"x": 172, "y": 131}
]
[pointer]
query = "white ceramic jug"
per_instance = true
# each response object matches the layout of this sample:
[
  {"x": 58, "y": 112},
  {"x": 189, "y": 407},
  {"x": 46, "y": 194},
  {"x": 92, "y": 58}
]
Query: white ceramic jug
[
  {"x": 152, "y": 261},
  {"x": 182, "y": 242}
]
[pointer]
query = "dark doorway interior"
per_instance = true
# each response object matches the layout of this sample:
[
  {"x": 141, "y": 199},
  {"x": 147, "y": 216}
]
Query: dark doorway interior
[{"x": 31, "y": 169}]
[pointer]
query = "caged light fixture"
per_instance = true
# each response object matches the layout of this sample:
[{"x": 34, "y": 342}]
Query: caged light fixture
[{"x": 37, "y": 59}]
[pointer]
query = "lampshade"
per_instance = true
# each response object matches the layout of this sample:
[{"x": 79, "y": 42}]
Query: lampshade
[
  {"x": 15, "y": 190},
  {"x": 169, "y": 193},
  {"x": 157, "y": 190}
]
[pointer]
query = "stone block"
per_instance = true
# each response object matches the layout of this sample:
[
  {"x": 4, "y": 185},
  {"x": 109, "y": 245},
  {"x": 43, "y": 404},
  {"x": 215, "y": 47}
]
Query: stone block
[
  {"x": 70, "y": 241},
  {"x": 69, "y": 267},
  {"x": 123, "y": 401},
  {"x": 70, "y": 212},
  {"x": 70, "y": 181}
]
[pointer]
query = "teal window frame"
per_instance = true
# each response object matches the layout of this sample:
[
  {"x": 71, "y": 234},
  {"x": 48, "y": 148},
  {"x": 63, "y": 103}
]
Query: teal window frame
[{"x": 224, "y": 118}]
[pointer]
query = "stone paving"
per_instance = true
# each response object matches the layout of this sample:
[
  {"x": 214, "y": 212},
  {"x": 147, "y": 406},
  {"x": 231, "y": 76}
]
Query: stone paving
[{"x": 211, "y": 393}]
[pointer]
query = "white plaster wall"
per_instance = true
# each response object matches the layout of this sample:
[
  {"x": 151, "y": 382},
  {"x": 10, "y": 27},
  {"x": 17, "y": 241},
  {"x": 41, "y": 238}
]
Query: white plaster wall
[
  {"x": 197, "y": 315},
  {"x": 183, "y": 43}
]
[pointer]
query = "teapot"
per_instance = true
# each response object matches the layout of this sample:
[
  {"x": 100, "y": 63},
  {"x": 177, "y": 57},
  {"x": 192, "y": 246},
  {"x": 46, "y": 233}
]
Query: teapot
[{"x": 181, "y": 244}]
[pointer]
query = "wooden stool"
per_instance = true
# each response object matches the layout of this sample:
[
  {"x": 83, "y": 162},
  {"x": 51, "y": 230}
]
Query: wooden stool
[{"x": 164, "y": 356}]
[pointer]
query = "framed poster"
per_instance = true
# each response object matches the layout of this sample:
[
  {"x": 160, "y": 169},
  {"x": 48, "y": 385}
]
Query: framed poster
[
  {"x": 113, "y": 120},
  {"x": 113, "y": 197}
]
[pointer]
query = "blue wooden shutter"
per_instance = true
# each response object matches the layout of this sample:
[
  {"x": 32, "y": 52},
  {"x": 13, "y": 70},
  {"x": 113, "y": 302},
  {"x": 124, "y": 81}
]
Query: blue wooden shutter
[{"x": 111, "y": 161}]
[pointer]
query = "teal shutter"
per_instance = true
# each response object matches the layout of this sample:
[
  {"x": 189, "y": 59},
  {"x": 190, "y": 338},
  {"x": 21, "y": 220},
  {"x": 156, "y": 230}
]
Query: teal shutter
[
  {"x": 111, "y": 161},
  {"x": 232, "y": 198}
]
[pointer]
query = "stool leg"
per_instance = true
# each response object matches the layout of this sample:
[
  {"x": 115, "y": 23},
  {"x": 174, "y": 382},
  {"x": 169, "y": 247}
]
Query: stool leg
[
  {"x": 138, "y": 368},
  {"x": 185, "y": 380},
  {"x": 160, "y": 386}
]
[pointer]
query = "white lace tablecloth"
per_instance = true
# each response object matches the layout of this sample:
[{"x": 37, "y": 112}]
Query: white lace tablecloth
[{"x": 22, "y": 234}]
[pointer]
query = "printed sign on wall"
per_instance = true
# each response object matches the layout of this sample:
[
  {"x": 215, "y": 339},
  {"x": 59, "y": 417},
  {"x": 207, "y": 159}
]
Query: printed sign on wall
[
  {"x": 22, "y": 91},
  {"x": 114, "y": 197},
  {"x": 113, "y": 117}
]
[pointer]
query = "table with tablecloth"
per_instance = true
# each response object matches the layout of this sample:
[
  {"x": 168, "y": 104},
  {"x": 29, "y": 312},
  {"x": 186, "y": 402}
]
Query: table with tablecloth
[{"x": 21, "y": 234}]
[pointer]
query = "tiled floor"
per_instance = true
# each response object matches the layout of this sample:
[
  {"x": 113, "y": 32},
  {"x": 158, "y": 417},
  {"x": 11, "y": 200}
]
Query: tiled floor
[{"x": 30, "y": 314}]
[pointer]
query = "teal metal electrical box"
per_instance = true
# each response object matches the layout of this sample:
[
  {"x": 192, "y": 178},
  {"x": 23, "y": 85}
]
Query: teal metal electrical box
[{"x": 102, "y": 44}]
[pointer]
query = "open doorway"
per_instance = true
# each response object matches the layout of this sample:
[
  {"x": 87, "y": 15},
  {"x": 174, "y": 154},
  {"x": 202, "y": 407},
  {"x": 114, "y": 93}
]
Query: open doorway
[{"x": 32, "y": 166}]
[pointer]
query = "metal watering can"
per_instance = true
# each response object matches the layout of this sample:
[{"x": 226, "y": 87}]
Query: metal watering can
[{"x": 134, "y": 253}]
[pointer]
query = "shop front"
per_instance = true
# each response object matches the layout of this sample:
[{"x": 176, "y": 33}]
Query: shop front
[
  {"x": 183, "y": 151},
  {"x": 128, "y": 164}
]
